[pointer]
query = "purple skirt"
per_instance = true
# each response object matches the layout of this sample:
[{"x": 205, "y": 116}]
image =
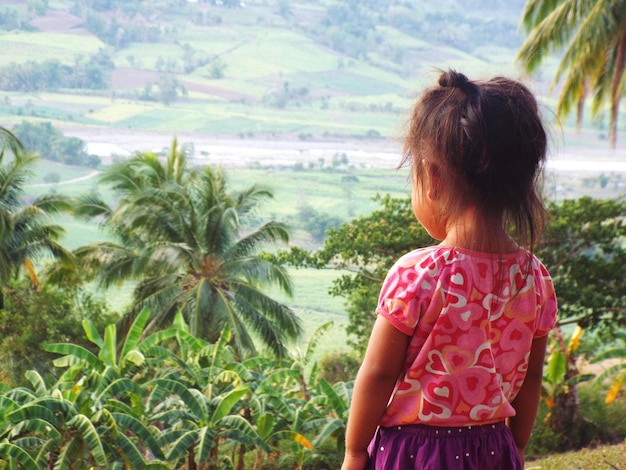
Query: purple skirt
[{"x": 418, "y": 446}]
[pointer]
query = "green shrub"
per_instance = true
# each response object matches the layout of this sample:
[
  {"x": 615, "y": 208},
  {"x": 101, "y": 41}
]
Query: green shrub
[{"x": 338, "y": 367}]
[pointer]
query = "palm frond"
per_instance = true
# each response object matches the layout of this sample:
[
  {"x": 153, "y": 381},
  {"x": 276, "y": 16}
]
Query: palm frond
[
  {"x": 551, "y": 33},
  {"x": 225, "y": 313},
  {"x": 273, "y": 322},
  {"x": 10, "y": 451},
  {"x": 286, "y": 319},
  {"x": 258, "y": 271},
  {"x": 250, "y": 198},
  {"x": 597, "y": 30},
  {"x": 89, "y": 433},
  {"x": 269, "y": 232},
  {"x": 9, "y": 140},
  {"x": 535, "y": 11},
  {"x": 92, "y": 206}
]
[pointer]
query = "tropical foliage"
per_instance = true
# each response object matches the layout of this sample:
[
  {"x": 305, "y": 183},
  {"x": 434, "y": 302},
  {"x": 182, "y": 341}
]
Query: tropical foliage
[
  {"x": 50, "y": 143},
  {"x": 166, "y": 400},
  {"x": 35, "y": 315},
  {"x": 171, "y": 385},
  {"x": 584, "y": 252},
  {"x": 593, "y": 34},
  {"x": 192, "y": 246},
  {"x": 366, "y": 248},
  {"x": 616, "y": 372},
  {"x": 26, "y": 231}
]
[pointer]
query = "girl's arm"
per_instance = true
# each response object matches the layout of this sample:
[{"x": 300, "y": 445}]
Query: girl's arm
[
  {"x": 527, "y": 400},
  {"x": 374, "y": 384}
]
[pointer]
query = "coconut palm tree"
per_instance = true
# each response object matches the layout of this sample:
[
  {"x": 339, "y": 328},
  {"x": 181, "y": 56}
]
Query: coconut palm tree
[
  {"x": 593, "y": 33},
  {"x": 182, "y": 234},
  {"x": 25, "y": 230}
]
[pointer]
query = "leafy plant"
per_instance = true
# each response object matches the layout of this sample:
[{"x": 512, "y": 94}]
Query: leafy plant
[
  {"x": 180, "y": 234},
  {"x": 615, "y": 372}
]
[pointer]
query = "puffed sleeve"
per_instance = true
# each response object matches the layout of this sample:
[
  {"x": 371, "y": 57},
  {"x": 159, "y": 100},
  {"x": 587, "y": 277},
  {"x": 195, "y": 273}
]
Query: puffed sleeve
[
  {"x": 547, "y": 303},
  {"x": 403, "y": 295}
]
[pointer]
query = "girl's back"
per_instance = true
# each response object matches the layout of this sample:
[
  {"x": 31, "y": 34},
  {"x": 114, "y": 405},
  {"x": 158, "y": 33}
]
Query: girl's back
[{"x": 472, "y": 318}]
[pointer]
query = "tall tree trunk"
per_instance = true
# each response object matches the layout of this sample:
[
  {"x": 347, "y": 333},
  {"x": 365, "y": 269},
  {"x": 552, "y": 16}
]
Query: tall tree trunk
[
  {"x": 617, "y": 88},
  {"x": 259, "y": 460},
  {"x": 213, "y": 457},
  {"x": 191, "y": 459},
  {"x": 241, "y": 452},
  {"x": 580, "y": 106}
]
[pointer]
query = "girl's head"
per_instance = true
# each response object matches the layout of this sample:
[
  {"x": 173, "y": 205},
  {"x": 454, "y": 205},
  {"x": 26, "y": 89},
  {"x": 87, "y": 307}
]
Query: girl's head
[{"x": 486, "y": 144}]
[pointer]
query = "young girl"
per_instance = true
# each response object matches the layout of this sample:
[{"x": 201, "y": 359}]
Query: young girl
[{"x": 452, "y": 375}]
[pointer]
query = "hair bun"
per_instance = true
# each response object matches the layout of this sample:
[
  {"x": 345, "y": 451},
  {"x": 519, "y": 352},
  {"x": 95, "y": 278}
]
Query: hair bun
[{"x": 453, "y": 79}]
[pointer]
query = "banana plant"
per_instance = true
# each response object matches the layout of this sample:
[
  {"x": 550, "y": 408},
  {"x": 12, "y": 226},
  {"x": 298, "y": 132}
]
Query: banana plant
[
  {"x": 559, "y": 390},
  {"x": 302, "y": 360},
  {"x": 561, "y": 374},
  {"x": 196, "y": 397},
  {"x": 50, "y": 431},
  {"x": 282, "y": 404},
  {"x": 270, "y": 405},
  {"x": 334, "y": 401},
  {"x": 616, "y": 372},
  {"x": 101, "y": 393}
]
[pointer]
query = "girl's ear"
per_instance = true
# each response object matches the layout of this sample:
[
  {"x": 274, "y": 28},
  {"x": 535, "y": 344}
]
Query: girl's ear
[{"x": 433, "y": 181}]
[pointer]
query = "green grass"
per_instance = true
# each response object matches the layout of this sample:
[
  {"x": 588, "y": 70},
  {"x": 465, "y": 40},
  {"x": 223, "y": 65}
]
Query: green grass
[
  {"x": 400, "y": 39},
  {"x": 310, "y": 292},
  {"x": 600, "y": 458},
  {"x": 146, "y": 55},
  {"x": 212, "y": 41},
  {"x": 65, "y": 172},
  {"x": 221, "y": 117},
  {"x": 71, "y": 189},
  {"x": 41, "y": 46},
  {"x": 315, "y": 307},
  {"x": 333, "y": 340},
  {"x": 121, "y": 110},
  {"x": 322, "y": 190},
  {"x": 79, "y": 233},
  {"x": 269, "y": 51},
  {"x": 261, "y": 54}
]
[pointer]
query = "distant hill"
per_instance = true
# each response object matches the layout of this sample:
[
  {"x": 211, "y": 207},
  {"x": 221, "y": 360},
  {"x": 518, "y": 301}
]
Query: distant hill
[{"x": 274, "y": 68}]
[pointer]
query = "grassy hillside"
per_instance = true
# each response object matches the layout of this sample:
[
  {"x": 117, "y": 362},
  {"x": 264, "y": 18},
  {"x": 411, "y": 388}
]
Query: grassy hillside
[{"x": 312, "y": 69}]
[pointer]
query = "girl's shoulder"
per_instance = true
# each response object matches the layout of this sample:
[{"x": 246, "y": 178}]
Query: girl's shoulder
[
  {"x": 454, "y": 253},
  {"x": 451, "y": 257}
]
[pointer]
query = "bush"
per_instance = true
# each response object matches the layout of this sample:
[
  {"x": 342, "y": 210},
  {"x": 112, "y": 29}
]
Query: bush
[
  {"x": 543, "y": 441},
  {"x": 607, "y": 422},
  {"x": 610, "y": 417},
  {"x": 32, "y": 317},
  {"x": 338, "y": 367}
]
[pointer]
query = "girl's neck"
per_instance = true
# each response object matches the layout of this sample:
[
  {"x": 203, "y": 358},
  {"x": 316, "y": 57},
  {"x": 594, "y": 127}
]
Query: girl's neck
[{"x": 481, "y": 234}]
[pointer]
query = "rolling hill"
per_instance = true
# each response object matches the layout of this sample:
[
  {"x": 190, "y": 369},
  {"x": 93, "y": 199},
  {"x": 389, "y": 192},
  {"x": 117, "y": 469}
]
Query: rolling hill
[{"x": 306, "y": 70}]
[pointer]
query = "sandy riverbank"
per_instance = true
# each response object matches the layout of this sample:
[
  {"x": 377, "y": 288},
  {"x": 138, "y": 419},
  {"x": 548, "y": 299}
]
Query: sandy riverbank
[{"x": 568, "y": 152}]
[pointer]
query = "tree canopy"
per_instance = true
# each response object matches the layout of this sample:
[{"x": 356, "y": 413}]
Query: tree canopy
[
  {"x": 190, "y": 243},
  {"x": 26, "y": 231},
  {"x": 50, "y": 143},
  {"x": 593, "y": 34}
]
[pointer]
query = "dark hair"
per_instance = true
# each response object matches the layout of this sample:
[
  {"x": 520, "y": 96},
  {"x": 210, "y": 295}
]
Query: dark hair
[{"x": 488, "y": 142}]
